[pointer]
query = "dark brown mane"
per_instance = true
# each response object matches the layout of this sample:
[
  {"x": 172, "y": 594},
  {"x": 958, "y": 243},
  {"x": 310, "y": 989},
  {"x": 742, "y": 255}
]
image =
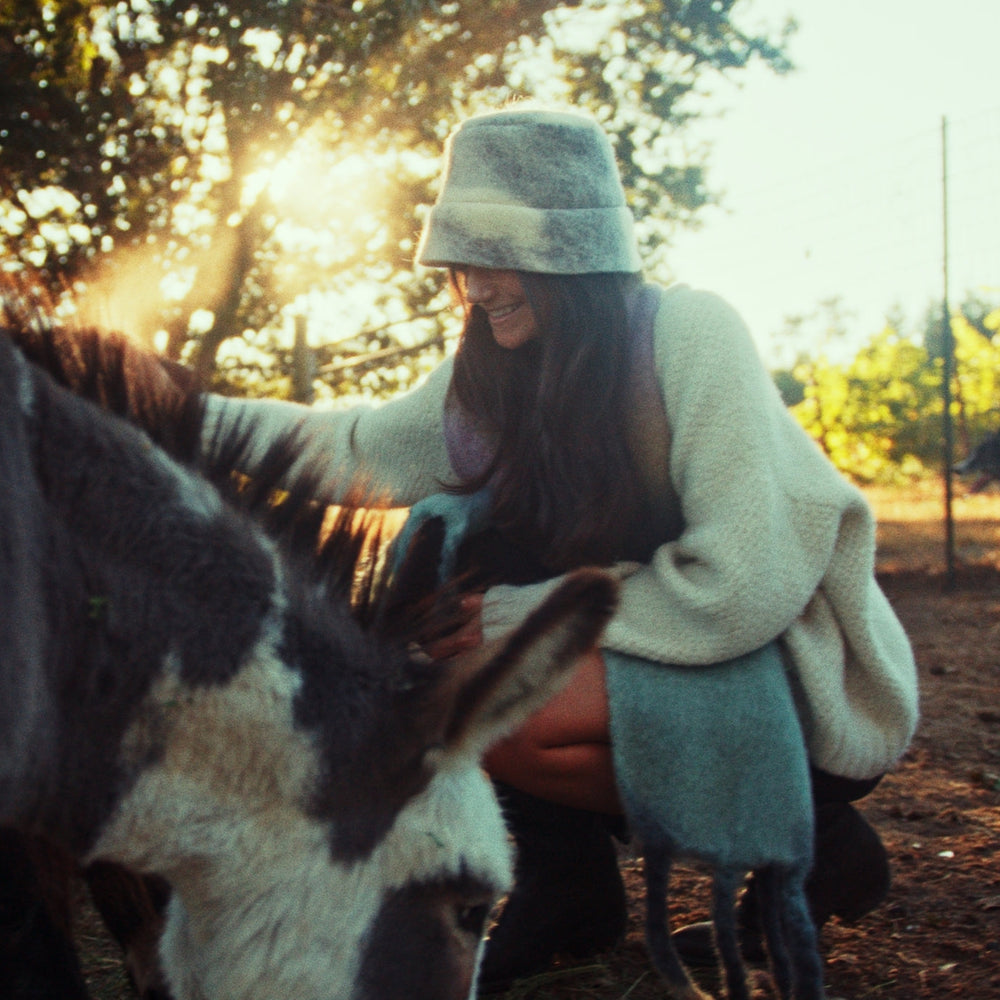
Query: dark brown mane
[
  {"x": 108, "y": 369},
  {"x": 337, "y": 550}
]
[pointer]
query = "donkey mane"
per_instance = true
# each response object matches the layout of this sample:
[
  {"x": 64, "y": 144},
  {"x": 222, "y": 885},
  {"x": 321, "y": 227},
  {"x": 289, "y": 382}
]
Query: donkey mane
[{"x": 335, "y": 550}]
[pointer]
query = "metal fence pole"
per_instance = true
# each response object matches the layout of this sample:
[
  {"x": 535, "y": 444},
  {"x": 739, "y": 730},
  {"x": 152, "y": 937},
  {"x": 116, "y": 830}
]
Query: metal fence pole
[{"x": 948, "y": 371}]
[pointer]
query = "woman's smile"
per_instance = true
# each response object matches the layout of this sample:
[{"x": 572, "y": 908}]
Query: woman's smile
[
  {"x": 500, "y": 295},
  {"x": 503, "y": 312}
]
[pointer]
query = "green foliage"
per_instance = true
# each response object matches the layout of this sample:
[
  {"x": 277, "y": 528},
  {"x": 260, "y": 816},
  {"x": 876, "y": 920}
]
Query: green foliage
[
  {"x": 976, "y": 388},
  {"x": 204, "y": 171},
  {"x": 879, "y": 415}
]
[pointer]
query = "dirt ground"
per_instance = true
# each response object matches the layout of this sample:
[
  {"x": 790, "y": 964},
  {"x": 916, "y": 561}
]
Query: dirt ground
[{"x": 938, "y": 934}]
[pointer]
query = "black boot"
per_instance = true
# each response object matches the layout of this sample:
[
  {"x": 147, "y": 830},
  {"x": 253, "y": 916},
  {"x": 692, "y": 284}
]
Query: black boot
[
  {"x": 568, "y": 897},
  {"x": 851, "y": 874},
  {"x": 850, "y": 877}
]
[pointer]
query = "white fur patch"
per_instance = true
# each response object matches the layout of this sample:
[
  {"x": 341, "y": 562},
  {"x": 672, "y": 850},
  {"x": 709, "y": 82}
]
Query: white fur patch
[{"x": 295, "y": 922}]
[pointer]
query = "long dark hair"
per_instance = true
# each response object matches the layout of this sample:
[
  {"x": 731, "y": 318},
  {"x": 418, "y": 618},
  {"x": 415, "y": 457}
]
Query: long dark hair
[{"x": 564, "y": 481}]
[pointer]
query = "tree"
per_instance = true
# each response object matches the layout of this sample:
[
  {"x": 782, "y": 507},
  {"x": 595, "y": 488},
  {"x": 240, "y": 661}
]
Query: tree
[
  {"x": 144, "y": 145},
  {"x": 975, "y": 387},
  {"x": 892, "y": 413},
  {"x": 812, "y": 381},
  {"x": 878, "y": 414}
]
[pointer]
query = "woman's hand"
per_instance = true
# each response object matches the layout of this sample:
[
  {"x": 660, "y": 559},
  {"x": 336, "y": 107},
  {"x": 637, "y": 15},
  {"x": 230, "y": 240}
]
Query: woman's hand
[
  {"x": 467, "y": 635},
  {"x": 563, "y": 752}
]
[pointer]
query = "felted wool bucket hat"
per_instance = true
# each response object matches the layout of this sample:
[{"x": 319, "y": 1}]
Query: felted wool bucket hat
[{"x": 530, "y": 190}]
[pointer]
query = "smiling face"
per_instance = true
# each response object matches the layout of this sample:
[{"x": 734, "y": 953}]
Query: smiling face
[{"x": 501, "y": 296}]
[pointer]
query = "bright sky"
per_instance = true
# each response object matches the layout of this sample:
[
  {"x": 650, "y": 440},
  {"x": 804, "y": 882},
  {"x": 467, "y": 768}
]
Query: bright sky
[{"x": 832, "y": 175}]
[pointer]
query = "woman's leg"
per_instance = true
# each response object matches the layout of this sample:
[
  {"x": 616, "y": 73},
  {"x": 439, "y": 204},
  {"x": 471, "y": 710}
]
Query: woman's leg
[
  {"x": 555, "y": 780},
  {"x": 563, "y": 752}
]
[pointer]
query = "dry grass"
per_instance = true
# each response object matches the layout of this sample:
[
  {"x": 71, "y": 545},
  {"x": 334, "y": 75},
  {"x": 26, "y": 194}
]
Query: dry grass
[{"x": 912, "y": 532}]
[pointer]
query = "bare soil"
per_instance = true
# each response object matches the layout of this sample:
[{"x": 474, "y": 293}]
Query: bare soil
[{"x": 938, "y": 934}]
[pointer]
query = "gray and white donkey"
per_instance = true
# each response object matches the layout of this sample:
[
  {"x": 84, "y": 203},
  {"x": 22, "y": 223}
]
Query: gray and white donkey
[{"x": 182, "y": 694}]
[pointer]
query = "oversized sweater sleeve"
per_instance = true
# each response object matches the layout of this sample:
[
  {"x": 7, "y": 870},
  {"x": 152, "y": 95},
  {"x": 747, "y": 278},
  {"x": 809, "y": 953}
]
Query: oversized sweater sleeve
[
  {"x": 762, "y": 507},
  {"x": 394, "y": 451}
]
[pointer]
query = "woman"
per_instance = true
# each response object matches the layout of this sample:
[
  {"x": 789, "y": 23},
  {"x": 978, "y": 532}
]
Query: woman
[{"x": 599, "y": 420}]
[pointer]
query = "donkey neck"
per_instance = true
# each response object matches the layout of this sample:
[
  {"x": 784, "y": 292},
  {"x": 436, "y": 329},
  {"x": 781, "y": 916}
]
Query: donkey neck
[{"x": 147, "y": 565}]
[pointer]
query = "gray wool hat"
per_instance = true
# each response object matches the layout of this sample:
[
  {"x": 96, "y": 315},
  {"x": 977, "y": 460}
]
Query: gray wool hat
[{"x": 531, "y": 190}]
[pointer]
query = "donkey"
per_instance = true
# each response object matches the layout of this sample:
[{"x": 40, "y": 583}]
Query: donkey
[
  {"x": 186, "y": 691},
  {"x": 984, "y": 459}
]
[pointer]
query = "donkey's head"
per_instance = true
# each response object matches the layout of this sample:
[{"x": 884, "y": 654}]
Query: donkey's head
[{"x": 346, "y": 843}]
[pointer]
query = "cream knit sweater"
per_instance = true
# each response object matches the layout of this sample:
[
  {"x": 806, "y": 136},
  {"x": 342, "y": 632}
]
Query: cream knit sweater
[{"x": 776, "y": 542}]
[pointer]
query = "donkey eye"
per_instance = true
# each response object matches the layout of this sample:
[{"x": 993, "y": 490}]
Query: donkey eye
[{"x": 472, "y": 919}]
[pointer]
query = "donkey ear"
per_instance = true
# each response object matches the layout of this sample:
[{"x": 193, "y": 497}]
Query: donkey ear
[{"x": 503, "y": 682}]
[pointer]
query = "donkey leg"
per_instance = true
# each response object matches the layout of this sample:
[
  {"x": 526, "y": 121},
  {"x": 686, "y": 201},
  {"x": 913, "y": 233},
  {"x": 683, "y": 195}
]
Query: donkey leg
[
  {"x": 727, "y": 936},
  {"x": 803, "y": 942},
  {"x": 771, "y": 916},
  {"x": 656, "y": 864}
]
